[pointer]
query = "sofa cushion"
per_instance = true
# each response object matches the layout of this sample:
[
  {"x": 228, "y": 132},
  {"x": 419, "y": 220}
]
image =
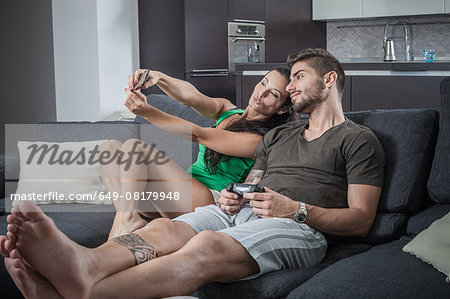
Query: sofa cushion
[
  {"x": 384, "y": 271},
  {"x": 169, "y": 105},
  {"x": 278, "y": 284},
  {"x": 438, "y": 189},
  {"x": 386, "y": 227},
  {"x": 176, "y": 148},
  {"x": 424, "y": 219},
  {"x": 408, "y": 138}
]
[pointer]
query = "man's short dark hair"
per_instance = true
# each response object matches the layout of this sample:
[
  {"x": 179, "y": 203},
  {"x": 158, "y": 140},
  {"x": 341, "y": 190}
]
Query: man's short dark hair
[{"x": 322, "y": 62}]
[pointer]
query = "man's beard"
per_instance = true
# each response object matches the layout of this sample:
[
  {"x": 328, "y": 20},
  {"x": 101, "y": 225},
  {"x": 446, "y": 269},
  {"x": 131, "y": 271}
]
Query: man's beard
[{"x": 310, "y": 98}]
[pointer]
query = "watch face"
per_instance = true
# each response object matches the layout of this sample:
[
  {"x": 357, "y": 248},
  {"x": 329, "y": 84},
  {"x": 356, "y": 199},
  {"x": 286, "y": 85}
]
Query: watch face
[{"x": 300, "y": 217}]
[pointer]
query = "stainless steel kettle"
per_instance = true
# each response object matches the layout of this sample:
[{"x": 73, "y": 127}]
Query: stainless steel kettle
[{"x": 389, "y": 52}]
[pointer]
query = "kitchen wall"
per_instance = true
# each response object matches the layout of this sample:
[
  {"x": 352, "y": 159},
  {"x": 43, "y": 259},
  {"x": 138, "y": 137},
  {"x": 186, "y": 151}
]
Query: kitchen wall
[
  {"x": 27, "y": 82},
  {"x": 96, "y": 47},
  {"x": 364, "y": 38}
]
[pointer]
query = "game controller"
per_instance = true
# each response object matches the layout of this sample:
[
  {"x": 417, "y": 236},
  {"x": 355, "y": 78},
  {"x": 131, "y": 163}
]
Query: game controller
[{"x": 240, "y": 189}]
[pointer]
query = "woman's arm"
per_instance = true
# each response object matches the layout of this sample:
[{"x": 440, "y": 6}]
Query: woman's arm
[
  {"x": 185, "y": 93},
  {"x": 239, "y": 144}
]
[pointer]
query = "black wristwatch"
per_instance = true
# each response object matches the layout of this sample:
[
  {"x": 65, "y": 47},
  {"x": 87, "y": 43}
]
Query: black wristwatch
[{"x": 301, "y": 214}]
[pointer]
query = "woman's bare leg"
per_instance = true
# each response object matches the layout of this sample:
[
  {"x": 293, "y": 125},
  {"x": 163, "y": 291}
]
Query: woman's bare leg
[
  {"x": 141, "y": 181},
  {"x": 126, "y": 218}
]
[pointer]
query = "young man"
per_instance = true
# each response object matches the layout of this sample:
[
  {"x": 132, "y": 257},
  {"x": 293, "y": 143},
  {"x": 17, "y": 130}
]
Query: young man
[{"x": 320, "y": 175}]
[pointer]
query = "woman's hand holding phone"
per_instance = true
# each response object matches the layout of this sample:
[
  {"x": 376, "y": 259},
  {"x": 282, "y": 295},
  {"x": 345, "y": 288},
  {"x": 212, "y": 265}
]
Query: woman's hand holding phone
[{"x": 134, "y": 79}]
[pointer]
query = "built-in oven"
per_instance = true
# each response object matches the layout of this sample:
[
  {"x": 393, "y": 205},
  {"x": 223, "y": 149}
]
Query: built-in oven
[{"x": 246, "y": 43}]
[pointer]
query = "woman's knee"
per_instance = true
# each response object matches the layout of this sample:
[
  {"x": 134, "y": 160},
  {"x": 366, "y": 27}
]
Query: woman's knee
[
  {"x": 110, "y": 145},
  {"x": 134, "y": 144}
]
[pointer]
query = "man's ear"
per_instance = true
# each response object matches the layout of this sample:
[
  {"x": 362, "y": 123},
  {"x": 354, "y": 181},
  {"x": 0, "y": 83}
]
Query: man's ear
[{"x": 330, "y": 78}]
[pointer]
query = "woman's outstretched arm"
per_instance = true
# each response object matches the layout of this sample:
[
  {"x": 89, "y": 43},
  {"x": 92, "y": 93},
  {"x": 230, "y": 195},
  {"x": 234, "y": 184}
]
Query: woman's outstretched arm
[
  {"x": 185, "y": 93},
  {"x": 239, "y": 144}
]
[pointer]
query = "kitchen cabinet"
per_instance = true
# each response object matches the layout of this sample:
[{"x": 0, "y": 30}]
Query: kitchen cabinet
[
  {"x": 246, "y": 10},
  {"x": 394, "y": 92},
  {"x": 332, "y": 9},
  {"x": 289, "y": 28},
  {"x": 215, "y": 85},
  {"x": 245, "y": 87},
  {"x": 161, "y": 50},
  {"x": 349, "y": 9},
  {"x": 384, "y": 8},
  {"x": 206, "y": 34}
]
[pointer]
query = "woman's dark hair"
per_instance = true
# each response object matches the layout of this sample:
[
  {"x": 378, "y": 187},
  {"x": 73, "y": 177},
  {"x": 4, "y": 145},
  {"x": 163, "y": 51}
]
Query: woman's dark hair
[{"x": 212, "y": 158}]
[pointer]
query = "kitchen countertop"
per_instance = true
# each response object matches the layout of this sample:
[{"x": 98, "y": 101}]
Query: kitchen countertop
[{"x": 369, "y": 64}]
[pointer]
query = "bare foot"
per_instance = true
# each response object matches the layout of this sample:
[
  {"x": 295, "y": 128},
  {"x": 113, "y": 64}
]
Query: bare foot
[
  {"x": 30, "y": 283},
  {"x": 126, "y": 223},
  {"x": 53, "y": 254}
]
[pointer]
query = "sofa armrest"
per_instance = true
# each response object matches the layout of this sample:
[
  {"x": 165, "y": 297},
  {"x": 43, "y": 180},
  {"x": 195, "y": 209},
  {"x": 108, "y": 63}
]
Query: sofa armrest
[{"x": 2, "y": 179}]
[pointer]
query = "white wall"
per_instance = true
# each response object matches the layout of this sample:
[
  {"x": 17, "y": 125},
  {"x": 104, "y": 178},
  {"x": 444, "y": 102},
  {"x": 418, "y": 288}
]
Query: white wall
[
  {"x": 95, "y": 49},
  {"x": 76, "y": 60},
  {"x": 118, "y": 48}
]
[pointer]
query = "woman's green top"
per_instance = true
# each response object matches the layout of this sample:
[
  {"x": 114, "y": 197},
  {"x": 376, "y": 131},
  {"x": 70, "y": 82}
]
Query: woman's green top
[{"x": 229, "y": 169}]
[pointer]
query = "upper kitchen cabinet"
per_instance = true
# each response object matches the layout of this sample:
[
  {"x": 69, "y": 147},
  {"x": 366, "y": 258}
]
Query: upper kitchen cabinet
[
  {"x": 161, "y": 37},
  {"x": 351, "y": 9},
  {"x": 289, "y": 28},
  {"x": 332, "y": 9},
  {"x": 246, "y": 10},
  {"x": 206, "y": 34},
  {"x": 386, "y": 8}
]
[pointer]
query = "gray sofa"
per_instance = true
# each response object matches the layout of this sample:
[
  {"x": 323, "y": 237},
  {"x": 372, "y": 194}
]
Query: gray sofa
[{"x": 415, "y": 194}]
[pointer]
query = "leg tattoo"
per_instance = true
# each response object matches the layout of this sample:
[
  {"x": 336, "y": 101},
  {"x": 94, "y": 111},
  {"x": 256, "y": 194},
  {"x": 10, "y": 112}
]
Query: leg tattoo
[{"x": 141, "y": 250}]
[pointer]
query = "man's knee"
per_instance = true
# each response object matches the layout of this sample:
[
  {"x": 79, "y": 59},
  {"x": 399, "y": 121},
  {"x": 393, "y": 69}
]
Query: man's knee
[
  {"x": 208, "y": 244},
  {"x": 209, "y": 252}
]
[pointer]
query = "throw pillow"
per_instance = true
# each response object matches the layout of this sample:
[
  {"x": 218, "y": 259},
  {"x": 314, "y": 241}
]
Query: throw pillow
[
  {"x": 59, "y": 173},
  {"x": 433, "y": 245}
]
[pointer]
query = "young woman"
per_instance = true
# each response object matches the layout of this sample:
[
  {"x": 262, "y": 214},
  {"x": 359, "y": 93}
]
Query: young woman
[{"x": 226, "y": 148}]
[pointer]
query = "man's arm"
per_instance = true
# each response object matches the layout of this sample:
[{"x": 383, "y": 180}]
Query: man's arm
[
  {"x": 355, "y": 221},
  {"x": 254, "y": 177}
]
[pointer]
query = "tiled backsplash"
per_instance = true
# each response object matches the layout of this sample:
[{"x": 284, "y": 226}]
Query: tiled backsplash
[{"x": 364, "y": 38}]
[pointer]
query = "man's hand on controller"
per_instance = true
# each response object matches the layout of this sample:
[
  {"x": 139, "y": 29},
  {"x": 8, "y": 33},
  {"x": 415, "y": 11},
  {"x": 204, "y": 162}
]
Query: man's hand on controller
[
  {"x": 230, "y": 203},
  {"x": 272, "y": 204}
]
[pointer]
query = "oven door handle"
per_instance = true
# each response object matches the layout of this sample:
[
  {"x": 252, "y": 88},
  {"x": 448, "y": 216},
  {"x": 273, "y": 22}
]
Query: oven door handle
[
  {"x": 235, "y": 39},
  {"x": 209, "y": 75}
]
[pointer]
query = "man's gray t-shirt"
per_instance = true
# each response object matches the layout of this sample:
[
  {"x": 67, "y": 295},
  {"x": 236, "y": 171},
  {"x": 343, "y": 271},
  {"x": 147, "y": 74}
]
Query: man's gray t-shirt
[{"x": 319, "y": 171}]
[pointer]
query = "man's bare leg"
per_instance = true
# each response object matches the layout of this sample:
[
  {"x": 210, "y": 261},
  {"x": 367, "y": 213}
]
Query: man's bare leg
[
  {"x": 126, "y": 219},
  {"x": 60, "y": 260},
  {"x": 31, "y": 284},
  {"x": 209, "y": 256}
]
